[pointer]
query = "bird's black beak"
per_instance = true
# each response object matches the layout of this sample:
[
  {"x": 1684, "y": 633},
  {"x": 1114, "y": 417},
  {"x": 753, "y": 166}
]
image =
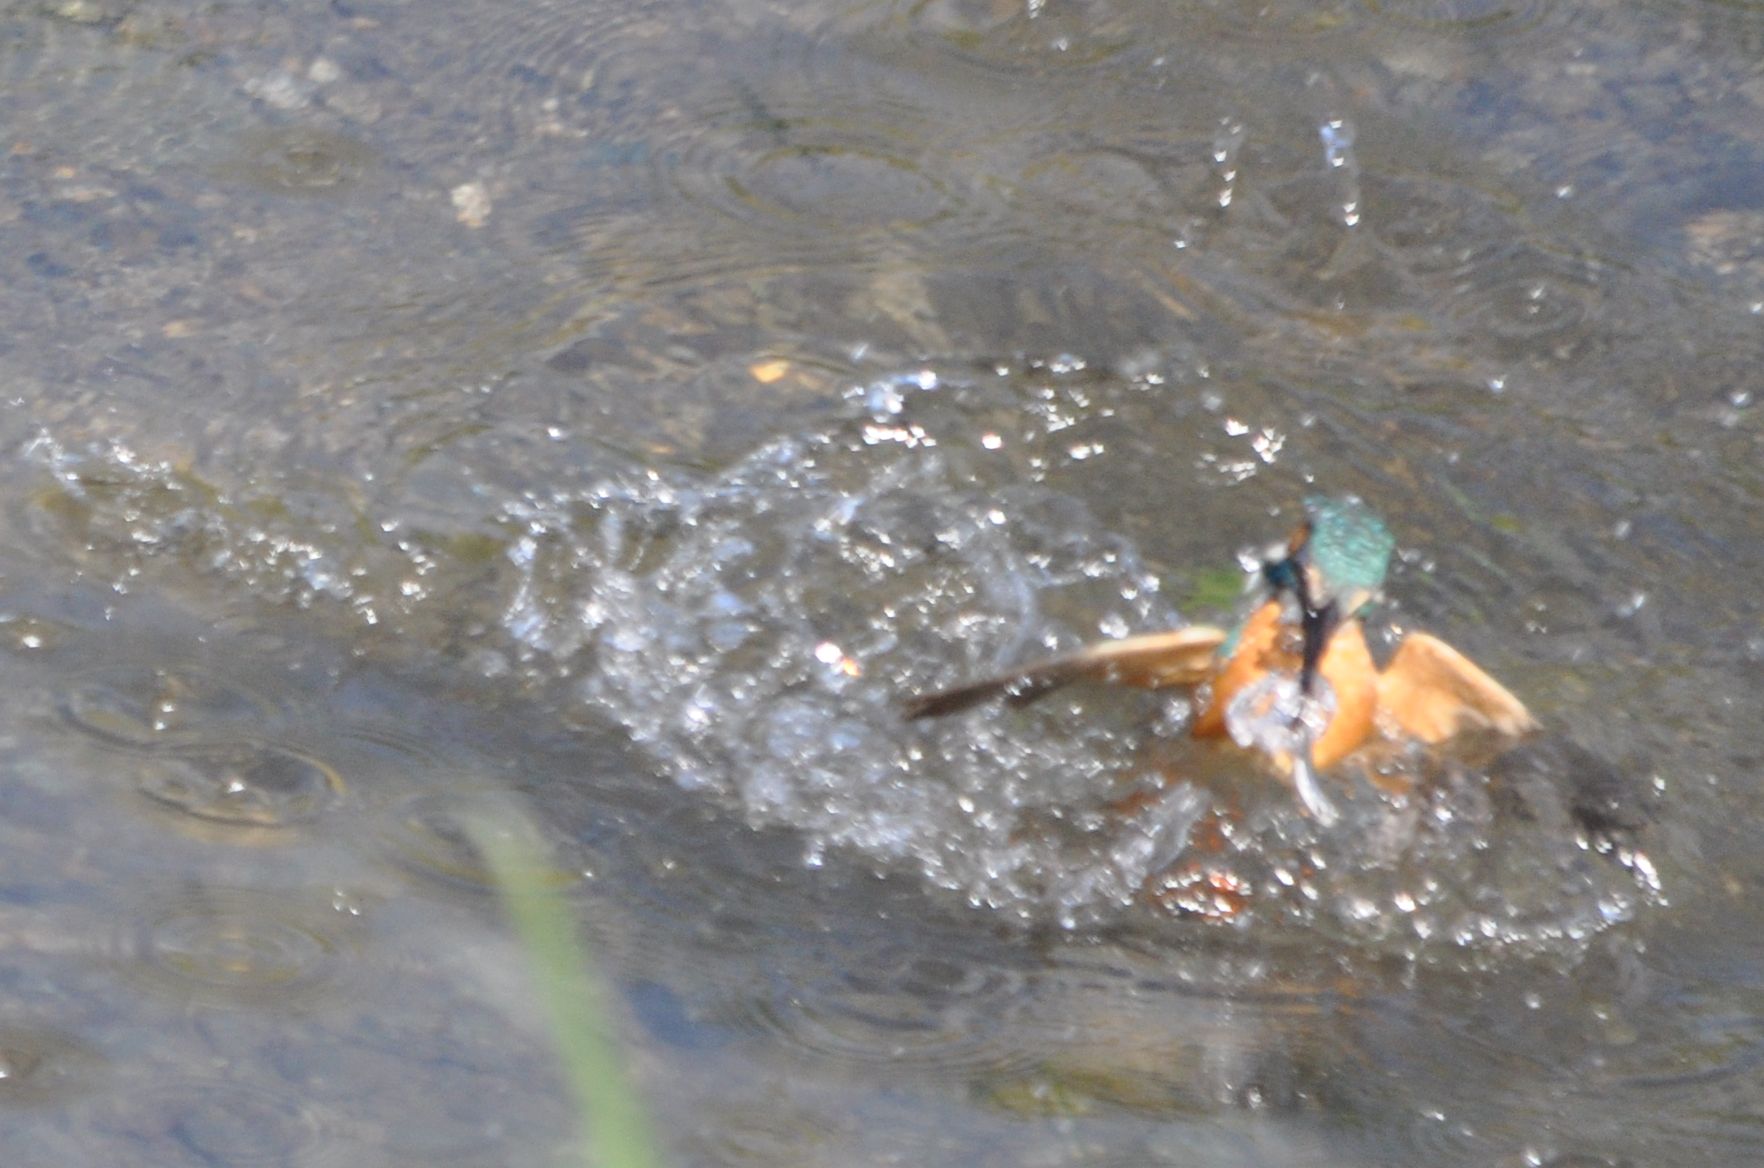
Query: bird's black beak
[{"x": 1291, "y": 574}]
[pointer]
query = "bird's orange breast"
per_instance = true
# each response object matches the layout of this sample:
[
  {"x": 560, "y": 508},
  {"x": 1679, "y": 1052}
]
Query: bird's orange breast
[{"x": 1264, "y": 646}]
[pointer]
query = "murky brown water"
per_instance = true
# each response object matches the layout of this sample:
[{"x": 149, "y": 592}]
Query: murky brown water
[{"x": 625, "y": 404}]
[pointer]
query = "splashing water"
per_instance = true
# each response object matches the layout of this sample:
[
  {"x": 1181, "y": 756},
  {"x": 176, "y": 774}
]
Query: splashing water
[
  {"x": 1275, "y": 716},
  {"x": 761, "y": 658},
  {"x": 1337, "y": 135},
  {"x": 754, "y": 630}
]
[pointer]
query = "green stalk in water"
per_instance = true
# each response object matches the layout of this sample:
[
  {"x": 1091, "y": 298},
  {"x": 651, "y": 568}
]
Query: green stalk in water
[{"x": 618, "y": 1132}]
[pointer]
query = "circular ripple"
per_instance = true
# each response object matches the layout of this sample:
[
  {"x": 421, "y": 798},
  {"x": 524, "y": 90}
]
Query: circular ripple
[
  {"x": 146, "y": 706},
  {"x": 556, "y": 68},
  {"x": 205, "y": 1122},
  {"x": 816, "y": 178},
  {"x": 927, "y": 1016},
  {"x": 1010, "y": 36},
  {"x": 44, "y": 1066},
  {"x": 1114, "y": 197},
  {"x": 1434, "y": 226},
  {"x": 1531, "y": 303},
  {"x": 245, "y": 783},
  {"x": 29, "y": 635},
  {"x": 238, "y": 946}
]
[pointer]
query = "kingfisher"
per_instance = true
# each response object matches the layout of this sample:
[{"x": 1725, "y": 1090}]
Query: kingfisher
[{"x": 1296, "y": 679}]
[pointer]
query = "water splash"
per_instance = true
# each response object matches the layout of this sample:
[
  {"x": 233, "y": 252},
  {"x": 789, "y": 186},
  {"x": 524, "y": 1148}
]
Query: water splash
[
  {"x": 1343, "y": 164},
  {"x": 1227, "y": 147},
  {"x": 1275, "y": 716},
  {"x": 752, "y": 631}
]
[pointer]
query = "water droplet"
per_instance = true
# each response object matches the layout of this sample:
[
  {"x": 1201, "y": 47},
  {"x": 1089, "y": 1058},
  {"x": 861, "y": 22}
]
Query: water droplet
[{"x": 1341, "y": 160}]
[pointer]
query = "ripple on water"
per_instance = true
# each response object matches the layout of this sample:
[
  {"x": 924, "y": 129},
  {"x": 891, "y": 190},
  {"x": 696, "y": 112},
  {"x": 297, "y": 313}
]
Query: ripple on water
[
  {"x": 903, "y": 1010},
  {"x": 1434, "y": 226},
  {"x": 176, "y": 1121},
  {"x": 25, "y": 635},
  {"x": 239, "y": 946},
  {"x": 375, "y": 760},
  {"x": 805, "y": 179},
  {"x": 1146, "y": 1032},
  {"x": 39, "y": 1066},
  {"x": 1128, "y": 197},
  {"x": 556, "y": 68},
  {"x": 1532, "y": 303},
  {"x": 245, "y": 783},
  {"x": 1010, "y": 36},
  {"x": 145, "y": 706}
]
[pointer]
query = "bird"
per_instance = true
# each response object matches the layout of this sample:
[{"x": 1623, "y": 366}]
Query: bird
[{"x": 1296, "y": 680}]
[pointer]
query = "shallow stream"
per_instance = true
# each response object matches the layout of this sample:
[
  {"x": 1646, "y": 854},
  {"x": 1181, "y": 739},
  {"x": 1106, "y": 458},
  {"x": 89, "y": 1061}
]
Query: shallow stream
[{"x": 627, "y": 405}]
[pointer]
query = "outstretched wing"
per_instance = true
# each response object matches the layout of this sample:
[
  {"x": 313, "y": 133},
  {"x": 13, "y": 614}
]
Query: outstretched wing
[
  {"x": 1433, "y": 692},
  {"x": 1180, "y": 657}
]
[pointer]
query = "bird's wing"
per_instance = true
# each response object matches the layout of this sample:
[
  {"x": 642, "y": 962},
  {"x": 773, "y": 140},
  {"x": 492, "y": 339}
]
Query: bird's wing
[
  {"x": 1180, "y": 657},
  {"x": 1433, "y": 692}
]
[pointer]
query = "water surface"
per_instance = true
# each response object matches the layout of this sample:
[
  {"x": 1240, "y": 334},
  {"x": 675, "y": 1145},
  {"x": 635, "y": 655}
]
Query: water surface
[{"x": 625, "y": 405}]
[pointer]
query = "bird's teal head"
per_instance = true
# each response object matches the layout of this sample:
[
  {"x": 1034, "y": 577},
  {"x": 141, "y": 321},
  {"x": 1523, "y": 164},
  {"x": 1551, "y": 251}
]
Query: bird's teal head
[
  {"x": 1333, "y": 568},
  {"x": 1335, "y": 562},
  {"x": 1348, "y": 549}
]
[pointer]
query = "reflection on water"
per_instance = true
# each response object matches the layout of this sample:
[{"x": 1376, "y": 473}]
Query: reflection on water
[{"x": 628, "y": 405}]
